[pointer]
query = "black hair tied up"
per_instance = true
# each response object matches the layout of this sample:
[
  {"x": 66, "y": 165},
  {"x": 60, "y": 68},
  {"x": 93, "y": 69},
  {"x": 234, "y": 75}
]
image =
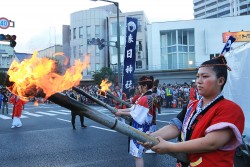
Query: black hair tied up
[
  {"x": 219, "y": 61},
  {"x": 146, "y": 80}
]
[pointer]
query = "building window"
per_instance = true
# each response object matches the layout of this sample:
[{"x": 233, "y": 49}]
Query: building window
[
  {"x": 140, "y": 45},
  {"x": 122, "y": 29},
  {"x": 138, "y": 64},
  {"x": 80, "y": 50},
  {"x": 219, "y": 1},
  {"x": 80, "y": 32},
  {"x": 200, "y": 15},
  {"x": 74, "y": 51},
  {"x": 89, "y": 69},
  {"x": 88, "y": 32},
  {"x": 211, "y": 4},
  {"x": 97, "y": 31},
  {"x": 200, "y": 8},
  {"x": 177, "y": 46},
  {"x": 139, "y": 26},
  {"x": 74, "y": 33},
  {"x": 97, "y": 67},
  {"x": 97, "y": 51},
  {"x": 89, "y": 49},
  {"x": 211, "y": 11},
  {"x": 114, "y": 29},
  {"x": 139, "y": 55},
  {"x": 198, "y": 3}
]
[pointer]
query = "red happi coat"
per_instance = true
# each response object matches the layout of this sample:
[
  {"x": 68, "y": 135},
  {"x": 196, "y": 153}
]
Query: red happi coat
[
  {"x": 117, "y": 104},
  {"x": 18, "y": 106},
  {"x": 223, "y": 114},
  {"x": 192, "y": 94}
]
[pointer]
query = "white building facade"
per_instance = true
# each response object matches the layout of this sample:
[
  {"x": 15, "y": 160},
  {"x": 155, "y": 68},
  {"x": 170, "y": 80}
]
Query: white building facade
[
  {"x": 141, "y": 38},
  {"x": 220, "y": 8},
  {"x": 186, "y": 44},
  {"x": 50, "y": 52},
  {"x": 7, "y": 54},
  {"x": 85, "y": 25},
  {"x": 101, "y": 22}
]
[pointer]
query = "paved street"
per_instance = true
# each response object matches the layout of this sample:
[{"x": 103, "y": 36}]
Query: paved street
[{"x": 47, "y": 139}]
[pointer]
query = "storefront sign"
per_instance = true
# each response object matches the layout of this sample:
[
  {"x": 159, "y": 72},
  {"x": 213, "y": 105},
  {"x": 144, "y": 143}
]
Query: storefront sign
[{"x": 241, "y": 36}]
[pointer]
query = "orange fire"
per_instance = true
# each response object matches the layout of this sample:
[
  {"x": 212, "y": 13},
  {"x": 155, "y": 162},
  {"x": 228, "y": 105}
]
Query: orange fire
[
  {"x": 104, "y": 87},
  {"x": 36, "y": 74}
]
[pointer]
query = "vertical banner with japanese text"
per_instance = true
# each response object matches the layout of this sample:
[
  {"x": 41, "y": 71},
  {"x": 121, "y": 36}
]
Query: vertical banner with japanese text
[{"x": 130, "y": 55}]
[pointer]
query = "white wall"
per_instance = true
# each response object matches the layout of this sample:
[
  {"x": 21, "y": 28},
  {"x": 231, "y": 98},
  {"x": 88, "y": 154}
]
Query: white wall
[{"x": 208, "y": 35}]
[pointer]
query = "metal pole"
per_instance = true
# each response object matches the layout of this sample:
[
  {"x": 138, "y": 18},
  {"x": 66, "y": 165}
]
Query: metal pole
[{"x": 118, "y": 44}]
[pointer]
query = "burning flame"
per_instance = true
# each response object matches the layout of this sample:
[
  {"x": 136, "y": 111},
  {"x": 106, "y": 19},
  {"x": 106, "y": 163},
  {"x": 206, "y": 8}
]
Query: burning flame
[
  {"x": 35, "y": 74},
  {"x": 104, "y": 87}
]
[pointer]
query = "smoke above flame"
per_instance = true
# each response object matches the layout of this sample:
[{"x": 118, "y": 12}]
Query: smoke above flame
[{"x": 41, "y": 74}]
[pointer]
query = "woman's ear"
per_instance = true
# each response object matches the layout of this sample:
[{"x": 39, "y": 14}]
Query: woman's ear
[{"x": 221, "y": 80}]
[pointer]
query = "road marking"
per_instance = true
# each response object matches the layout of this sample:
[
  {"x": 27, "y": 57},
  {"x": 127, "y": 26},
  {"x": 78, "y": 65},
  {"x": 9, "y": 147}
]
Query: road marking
[
  {"x": 103, "y": 128},
  {"x": 4, "y": 117},
  {"x": 167, "y": 114},
  {"x": 45, "y": 113},
  {"x": 162, "y": 121},
  {"x": 57, "y": 112},
  {"x": 103, "y": 109},
  {"x": 31, "y": 114},
  {"x": 65, "y": 111},
  {"x": 63, "y": 120}
]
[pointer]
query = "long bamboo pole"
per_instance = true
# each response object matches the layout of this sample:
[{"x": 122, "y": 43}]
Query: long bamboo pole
[
  {"x": 111, "y": 109},
  {"x": 117, "y": 99},
  {"x": 71, "y": 104}
]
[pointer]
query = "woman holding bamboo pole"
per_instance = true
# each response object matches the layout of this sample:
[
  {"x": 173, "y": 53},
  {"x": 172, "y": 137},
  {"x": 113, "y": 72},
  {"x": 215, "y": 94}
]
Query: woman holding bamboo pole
[
  {"x": 142, "y": 113},
  {"x": 210, "y": 128}
]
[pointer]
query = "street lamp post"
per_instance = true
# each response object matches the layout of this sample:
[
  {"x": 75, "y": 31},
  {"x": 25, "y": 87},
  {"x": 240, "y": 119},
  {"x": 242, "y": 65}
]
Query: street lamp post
[{"x": 118, "y": 38}]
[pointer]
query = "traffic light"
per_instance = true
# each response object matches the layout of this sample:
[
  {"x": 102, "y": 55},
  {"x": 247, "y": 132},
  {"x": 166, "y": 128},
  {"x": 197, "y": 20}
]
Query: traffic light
[
  {"x": 13, "y": 41},
  {"x": 10, "y": 38},
  {"x": 101, "y": 44},
  {"x": 96, "y": 41}
]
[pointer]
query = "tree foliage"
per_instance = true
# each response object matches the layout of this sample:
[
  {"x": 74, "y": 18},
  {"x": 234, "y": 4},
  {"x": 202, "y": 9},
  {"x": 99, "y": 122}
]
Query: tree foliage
[
  {"x": 104, "y": 73},
  {"x": 3, "y": 76}
]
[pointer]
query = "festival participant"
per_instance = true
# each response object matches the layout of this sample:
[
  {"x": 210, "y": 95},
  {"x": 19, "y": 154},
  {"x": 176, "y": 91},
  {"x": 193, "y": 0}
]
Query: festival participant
[
  {"x": 142, "y": 114},
  {"x": 73, "y": 95},
  {"x": 1, "y": 99},
  {"x": 5, "y": 102},
  {"x": 193, "y": 93},
  {"x": 209, "y": 129},
  {"x": 118, "y": 93},
  {"x": 17, "y": 110},
  {"x": 136, "y": 96}
]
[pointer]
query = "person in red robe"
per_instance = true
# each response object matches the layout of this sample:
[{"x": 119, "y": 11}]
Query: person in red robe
[
  {"x": 118, "y": 93},
  {"x": 209, "y": 129},
  {"x": 17, "y": 110},
  {"x": 193, "y": 93}
]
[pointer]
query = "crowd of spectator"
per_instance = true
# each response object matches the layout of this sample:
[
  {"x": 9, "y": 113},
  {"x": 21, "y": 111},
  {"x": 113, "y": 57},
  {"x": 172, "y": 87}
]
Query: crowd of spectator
[{"x": 168, "y": 95}]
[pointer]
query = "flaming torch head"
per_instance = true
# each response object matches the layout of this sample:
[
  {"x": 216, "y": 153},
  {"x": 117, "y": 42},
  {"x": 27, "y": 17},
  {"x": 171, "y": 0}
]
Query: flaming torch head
[
  {"x": 104, "y": 88},
  {"x": 37, "y": 77}
]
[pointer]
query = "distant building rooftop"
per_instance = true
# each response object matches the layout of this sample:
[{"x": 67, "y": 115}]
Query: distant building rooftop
[
  {"x": 3, "y": 51},
  {"x": 22, "y": 56}
]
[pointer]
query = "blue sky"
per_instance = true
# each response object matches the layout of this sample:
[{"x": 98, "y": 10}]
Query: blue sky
[{"x": 38, "y": 23}]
